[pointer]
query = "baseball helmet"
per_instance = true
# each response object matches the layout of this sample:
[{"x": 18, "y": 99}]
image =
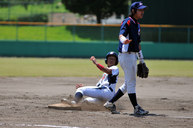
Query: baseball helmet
[
  {"x": 112, "y": 53},
  {"x": 137, "y": 5}
]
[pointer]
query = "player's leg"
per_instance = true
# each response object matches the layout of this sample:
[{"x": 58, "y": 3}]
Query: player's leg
[
  {"x": 104, "y": 94},
  {"x": 123, "y": 89},
  {"x": 130, "y": 79},
  {"x": 95, "y": 92},
  {"x": 94, "y": 100},
  {"x": 118, "y": 94},
  {"x": 131, "y": 85},
  {"x": 90, "y": 91},
  {"x": 123, "y": 59},
  {"x": 110, "y": 104}
]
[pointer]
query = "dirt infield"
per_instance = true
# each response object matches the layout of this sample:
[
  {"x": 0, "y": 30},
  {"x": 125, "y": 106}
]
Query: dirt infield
[{"x": 24, "y": 101}]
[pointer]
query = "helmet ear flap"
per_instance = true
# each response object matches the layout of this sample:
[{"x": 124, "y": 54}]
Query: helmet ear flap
[
  {"x": 117, "y": 62},
  {"x": 105, "y": 60}
]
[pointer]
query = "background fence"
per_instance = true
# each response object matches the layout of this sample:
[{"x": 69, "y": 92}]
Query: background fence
[
  {"x": 27, "y": 29},
  {"x": 41, "y": 31},
  {"x": 32, "y": 21}
]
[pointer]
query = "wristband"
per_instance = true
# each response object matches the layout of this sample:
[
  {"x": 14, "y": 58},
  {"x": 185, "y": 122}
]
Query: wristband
[
  {"x": 140, "y": 56},
  {"x": 123, "y": 39},
  {"x": 100, "y": 66}
]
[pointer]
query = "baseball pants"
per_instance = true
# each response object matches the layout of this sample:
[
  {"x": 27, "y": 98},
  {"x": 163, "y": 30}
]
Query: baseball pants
[
  {"x": 101, "y": 93},
  {"x": 128, "y": 62}
]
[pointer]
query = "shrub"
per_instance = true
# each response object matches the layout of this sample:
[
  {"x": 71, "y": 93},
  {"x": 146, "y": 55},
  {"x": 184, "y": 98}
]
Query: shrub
[{"x": 34, "y": 18}]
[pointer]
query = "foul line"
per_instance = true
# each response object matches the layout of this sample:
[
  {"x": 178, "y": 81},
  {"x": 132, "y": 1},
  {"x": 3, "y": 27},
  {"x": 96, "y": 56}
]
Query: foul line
[
  {"x": 182, "y": 117},
  {"x": 38, "y": 125}
]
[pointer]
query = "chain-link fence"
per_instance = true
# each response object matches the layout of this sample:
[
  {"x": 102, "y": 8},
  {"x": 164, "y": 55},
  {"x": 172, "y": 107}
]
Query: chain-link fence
[
  {"x": 89, "y": 33},
  {"x": 33, "y": 21}
]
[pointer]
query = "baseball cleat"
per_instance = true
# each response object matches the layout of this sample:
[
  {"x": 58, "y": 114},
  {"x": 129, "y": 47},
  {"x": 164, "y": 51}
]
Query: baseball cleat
[
  {"x": 110, "y": 106},
  {"x": 140, "y": 111},
  {"x": 115, "y": 112}
]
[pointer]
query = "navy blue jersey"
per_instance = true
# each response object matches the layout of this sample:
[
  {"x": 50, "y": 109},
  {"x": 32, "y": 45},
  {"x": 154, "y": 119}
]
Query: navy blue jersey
[{"x": 130, "y": 28}]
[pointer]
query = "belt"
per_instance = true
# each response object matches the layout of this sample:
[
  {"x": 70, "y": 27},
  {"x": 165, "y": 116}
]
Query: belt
[
  {"x": 111, "y": 89},
  {"x": 130, "y": 52}
]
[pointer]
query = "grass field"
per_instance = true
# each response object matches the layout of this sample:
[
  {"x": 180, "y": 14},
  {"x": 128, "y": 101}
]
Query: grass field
[
  {"x": 57, "y": 33},
  {"x": 39, "y": 33},
  {"x": 16, "y": 11},
  {"x": 60, "y": 67}
]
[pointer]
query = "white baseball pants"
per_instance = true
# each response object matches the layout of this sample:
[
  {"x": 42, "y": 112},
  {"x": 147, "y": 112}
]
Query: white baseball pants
[
  {"x": 128, "y": 62},
  {"x": 103, "y": 93}
]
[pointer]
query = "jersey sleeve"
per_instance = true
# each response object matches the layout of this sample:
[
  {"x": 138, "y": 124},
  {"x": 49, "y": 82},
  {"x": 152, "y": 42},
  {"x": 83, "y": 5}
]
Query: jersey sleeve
[
  {"x": 115, "y": 70},
  {"x": 124, "y": 27}
]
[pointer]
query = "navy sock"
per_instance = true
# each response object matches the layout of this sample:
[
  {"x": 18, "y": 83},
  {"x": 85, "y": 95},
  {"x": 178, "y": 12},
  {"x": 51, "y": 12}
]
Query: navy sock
[
  {"x": 133, "y": 99},
  {"x": 78, "y": 96},
  {"x": 118, "y": 94}
]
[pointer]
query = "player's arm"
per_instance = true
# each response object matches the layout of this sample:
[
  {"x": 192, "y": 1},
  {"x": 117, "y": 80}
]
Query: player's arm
[
  {"x": 123, "y": 39},
  {"x": 123, "y": 31},
  {"x": 142, "y": 69},
  {"x": 99, "y": 66},
  {"x": 140, "y": 55}
]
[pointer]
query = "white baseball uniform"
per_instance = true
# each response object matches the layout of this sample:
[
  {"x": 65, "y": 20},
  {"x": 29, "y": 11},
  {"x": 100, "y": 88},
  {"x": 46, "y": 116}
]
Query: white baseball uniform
[
  {"x": 104, "y": 89},
  {"x": 128, "y": 62}
]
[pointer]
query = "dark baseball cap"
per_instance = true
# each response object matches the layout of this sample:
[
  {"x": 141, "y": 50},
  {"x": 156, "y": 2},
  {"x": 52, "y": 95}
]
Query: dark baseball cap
[{"x": 137, "y": 5}]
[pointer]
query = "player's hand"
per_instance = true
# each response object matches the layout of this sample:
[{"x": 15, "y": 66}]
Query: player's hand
[
  {"x": 127, "y": 41},
  {"x": 79, "y": 85},
  {"x": 93, "y": 59}
]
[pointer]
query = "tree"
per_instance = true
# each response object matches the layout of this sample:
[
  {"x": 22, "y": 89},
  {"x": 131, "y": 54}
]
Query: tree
[
  {"x": 25, "y": 3},
  {"x": 100, "y": 8},
  {"x": 28, "y": 2}
]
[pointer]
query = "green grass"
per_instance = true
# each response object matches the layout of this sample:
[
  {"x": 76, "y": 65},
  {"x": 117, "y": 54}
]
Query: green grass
[
  {"x": 19, "y": 11},
  {"x": 60, "y": 67},
  {"x": 170, "y": 68},
  {"x": 56, "y": 33},
  {"x": 40, "y": 33}
]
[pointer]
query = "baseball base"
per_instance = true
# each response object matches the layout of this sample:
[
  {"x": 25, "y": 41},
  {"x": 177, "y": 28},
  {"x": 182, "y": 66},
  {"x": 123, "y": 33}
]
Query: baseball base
[{"x": 64, "y": 106}]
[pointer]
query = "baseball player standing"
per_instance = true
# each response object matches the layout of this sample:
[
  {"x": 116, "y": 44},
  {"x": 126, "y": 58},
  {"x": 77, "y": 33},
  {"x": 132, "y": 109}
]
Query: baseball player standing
[
  {"x": 105, "y": 88},
  {"x": 129, "y": 50}
]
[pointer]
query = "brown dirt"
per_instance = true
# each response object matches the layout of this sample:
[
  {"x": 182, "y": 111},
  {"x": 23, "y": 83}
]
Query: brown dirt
[{"x": 24, "y": 101}]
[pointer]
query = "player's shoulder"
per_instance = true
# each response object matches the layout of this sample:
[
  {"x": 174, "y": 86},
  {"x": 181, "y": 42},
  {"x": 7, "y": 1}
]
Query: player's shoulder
[
  {"x": 115, "y": 70},
  {"x": 128, "y": 18},
  {"x": 127, "y": 21},
  {"x": 131, "y": 20},
  {"x": 113, "y": 67}
]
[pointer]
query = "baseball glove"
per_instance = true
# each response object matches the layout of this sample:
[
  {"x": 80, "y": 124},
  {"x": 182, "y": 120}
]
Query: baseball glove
[{"x": 142, "y": 70}]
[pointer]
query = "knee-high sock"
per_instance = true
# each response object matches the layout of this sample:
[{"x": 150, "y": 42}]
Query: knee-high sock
[
  {"x": 118, "y": 94},
  {"x": 78, "y": 96},
  {"x": 133, "y": 99}
]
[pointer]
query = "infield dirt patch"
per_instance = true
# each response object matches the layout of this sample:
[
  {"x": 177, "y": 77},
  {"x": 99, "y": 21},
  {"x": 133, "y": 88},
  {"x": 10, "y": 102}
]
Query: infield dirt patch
[{"x": 24, "y": 103}]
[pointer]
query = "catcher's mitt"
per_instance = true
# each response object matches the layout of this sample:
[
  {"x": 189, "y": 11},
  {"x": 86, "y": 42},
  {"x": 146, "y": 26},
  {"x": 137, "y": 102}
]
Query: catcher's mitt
[{"x": 142, "y": 70}]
